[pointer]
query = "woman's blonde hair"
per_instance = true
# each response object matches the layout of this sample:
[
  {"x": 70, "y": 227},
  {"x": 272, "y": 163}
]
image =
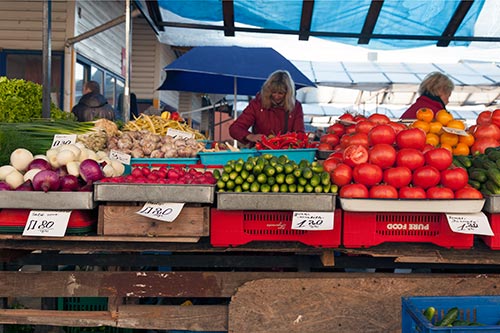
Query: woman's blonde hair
[
  {"x": 435, "y": 83},
  {"x": 279, "y": 81}
]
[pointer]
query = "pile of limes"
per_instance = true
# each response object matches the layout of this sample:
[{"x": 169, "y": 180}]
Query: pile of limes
[{"x": 270, "y": 173}]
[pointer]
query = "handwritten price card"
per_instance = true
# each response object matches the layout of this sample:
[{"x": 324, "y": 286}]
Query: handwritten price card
[
  {"x": 312, "y": 221},
  {"x": 63, "y": 139},
  {"x": 47, "y": 223},
  {"x": 166, "y": 211},
  {"x": 120, "y": 156},
  {"x": 476, "y": 223},
  {"x": 175, "y": 133}
]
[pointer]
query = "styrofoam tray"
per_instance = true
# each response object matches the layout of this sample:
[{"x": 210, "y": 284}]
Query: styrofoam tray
[
  {"x": 314, "y": 202},
  {"x": 417, "y": 206}
]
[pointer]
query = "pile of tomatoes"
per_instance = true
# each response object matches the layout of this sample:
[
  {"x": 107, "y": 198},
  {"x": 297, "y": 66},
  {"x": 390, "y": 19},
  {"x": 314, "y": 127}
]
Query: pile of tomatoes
[
  {"x": 380, "y": 160},
  {"x": 486, "y": 131}
]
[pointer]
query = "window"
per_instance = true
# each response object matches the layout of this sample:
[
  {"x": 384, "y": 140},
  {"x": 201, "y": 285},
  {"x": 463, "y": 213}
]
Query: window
[
  {"x": 109, "y": 90},
  {"x": 97, "y": 75}
]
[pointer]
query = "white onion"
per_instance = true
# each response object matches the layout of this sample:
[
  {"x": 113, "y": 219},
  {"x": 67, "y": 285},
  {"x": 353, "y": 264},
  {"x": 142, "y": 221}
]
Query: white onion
[
  {"x": 5, "y": 170},
  {"x": 30, "y": 174},
  {"x": 14, "y": 179},
  {"x": 21, "y": 158}
]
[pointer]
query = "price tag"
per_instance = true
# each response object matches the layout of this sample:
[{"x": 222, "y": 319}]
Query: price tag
[
  {"x": 63, "y": 139},
  {"x": 475, "y": 223},
  {"x": 47, "y": 223},
  {"x": 312, "y": 221},
  {"x": 175, "y": 133},
  {"x": 455, "y": 131},
  {"x": 165, "y": 211},
  {"x": 120, "y": 156}
]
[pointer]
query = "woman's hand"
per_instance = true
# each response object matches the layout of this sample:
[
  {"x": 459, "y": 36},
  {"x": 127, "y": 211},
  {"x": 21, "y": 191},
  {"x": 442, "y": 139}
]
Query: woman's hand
[{"x": 254, "y": 137}]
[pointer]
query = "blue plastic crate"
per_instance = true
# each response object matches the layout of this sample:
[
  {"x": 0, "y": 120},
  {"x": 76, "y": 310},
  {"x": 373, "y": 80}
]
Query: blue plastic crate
[
  {"x": 295, "y": 155},
  {"x": 480, "y": 309},
  {"x": 222, "y": 157}
]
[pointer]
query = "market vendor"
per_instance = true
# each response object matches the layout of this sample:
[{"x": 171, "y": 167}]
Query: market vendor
[
  {"x": 273, "y": 111},
  {"x": 435, "y": 91},
  {"x": 93, "y": 105}
]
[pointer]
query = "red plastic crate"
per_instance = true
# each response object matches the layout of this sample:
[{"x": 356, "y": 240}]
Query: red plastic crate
[
  {"x": 238, "y": 227},
  {"x": 493, "y": 242},
  {"x": 365, "y": 229}
]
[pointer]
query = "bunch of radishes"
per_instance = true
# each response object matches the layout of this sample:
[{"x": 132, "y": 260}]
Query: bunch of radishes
[
  {"x": 164, "y": 175},
  {"x": 69, "y": 167}
]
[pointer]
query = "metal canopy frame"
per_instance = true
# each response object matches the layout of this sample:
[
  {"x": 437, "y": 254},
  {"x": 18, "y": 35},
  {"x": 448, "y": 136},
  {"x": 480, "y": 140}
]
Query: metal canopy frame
[{"x": 304, "y": 32}]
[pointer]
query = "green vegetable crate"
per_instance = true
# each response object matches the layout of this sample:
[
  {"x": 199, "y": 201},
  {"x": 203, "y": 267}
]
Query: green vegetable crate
[{"x": 475, "y": 314}]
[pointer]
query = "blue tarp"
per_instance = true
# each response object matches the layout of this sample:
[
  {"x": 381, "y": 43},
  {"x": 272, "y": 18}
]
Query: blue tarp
[{"x": 401, "y": 17}]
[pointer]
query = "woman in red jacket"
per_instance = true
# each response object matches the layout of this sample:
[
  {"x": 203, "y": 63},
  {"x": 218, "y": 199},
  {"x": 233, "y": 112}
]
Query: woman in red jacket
[
  {"x": 435, "y": 91},
  {"x": 273, "y": 111}
]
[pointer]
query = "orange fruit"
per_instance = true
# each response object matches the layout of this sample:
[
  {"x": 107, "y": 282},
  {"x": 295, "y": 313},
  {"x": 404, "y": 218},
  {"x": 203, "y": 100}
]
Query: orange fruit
[
  {"x": 432, "y": 138},
  {"x": 447, "y": 146},
  {"x": 461, "y": 149},
  {"x": 456, "y": 123},
  {"x": 424, "y": 126},
  {"x": 435, "y": 127},
  {"x": 468, "y": 140},
  {"x": 444, "y": 117},
  {"x": 449, "y": 139},
  {"x": 425, "y": 114}
]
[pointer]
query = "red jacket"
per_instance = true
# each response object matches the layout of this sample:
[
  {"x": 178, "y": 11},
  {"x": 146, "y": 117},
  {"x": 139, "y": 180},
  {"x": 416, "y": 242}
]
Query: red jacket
[
  {"x": 266, "y": 121},
  {"x": 422, "y": 102}
]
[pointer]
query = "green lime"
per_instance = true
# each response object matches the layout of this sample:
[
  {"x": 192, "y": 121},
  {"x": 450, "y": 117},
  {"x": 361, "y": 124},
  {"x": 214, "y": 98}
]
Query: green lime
[
  {"x": 224, "y": 177},
  {"x": 300, "y": 188},
  {"x": 290, "y": 179},
  {"x": 307, "y": 173},
  {"x": 271, "y": 180},
  {"x": 292, "y": 188},
  {"x": 254, "y": 187},
  {"x": 289, "y": 168},
  {"x": 221, "y": 184},
  {"x": 238, "y": 167},
  {"x": 230, "y": 185},
  {"x": 297, "y": 172},
  {"x": 273, "y": 161},
  {"x": 315, "y": 180},
  {"x": 280, "y": 178},
  {"x": 244, "y": 174},
  {"x": 216, "y": 173},
  {"x": 283, "y": 188},
  {"x": 325, "y": 178},
  {"x": 233, "y": 175},
  {"x": 269, "y": 170},
  {"x": 245, "y": 186},
  {"x": 304, "y": 164},
  {"x": 262, "y": 178},
  {"x": 257, "y": 169},
  {"x": 238, "y": 180},
  {"x": 326, "y": 188},
  {"x": 302, "y": 181},
  {"x": 318, "y": 168},
  {"x": 279, "y": 168},
  {"x": 318, "y": 189},
  {"x": 267, "y": 156},
  {"x": 265, "y": 188},
  {"x": 283, "y": 159},
  {"x": 248, "y": 166},
  {"x": 250, "y": 178},
  {"x": 334, "y": 188},
  {"x": 275, "y": 188},
  {"x": 308, "y": 188},
  {"x": 238, "y": 188},
  {"x": 228, "y": 168}
]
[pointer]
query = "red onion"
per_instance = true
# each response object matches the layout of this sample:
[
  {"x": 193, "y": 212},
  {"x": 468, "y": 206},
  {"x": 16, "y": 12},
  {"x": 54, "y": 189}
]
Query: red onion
[
  {"x": 90, "y": 171},
  {"x": 4, "y": 186},
  {"x": 26, "y": 186},
  {"x": 69, "y": 183},
  {"x": 46, "y": 180},
  {"x": 39, "y": 163}
]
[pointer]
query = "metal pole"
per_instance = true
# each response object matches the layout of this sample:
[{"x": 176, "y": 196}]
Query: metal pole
[
  {"x": 47, "y": 51},
  {"x": 126, "y": 93}
]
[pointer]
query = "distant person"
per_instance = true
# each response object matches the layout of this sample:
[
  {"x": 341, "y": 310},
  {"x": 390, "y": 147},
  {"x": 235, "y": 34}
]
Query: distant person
[
  {"x": 318, "y": 134},
  {"x": 134, "y": 111},
  {"x": 92, "y": 105},
  {"x": 435, "y": 91},
  {"x": 273, "y": 111}
]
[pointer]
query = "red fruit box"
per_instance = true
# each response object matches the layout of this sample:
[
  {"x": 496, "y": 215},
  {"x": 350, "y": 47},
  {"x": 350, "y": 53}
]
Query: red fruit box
[
  {"x": 493, "y": 242},
  {"x": 366, "y": 229},
  {"x": 238, "y": 227}
]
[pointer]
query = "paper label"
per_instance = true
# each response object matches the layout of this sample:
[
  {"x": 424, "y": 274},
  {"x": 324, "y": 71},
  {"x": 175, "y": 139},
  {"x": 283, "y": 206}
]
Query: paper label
[
  {"x": 120, "y": 156},
  {"x": 179, "y": 134},
  {"x": 312, "y": 221},
  {"x": 474, "y": 223},
  {"x": 47, "y": 223},
  {"x": 63, "y": 139},
  {"x": 165, "y": 211},
  {"x": 455, "y": 131}
]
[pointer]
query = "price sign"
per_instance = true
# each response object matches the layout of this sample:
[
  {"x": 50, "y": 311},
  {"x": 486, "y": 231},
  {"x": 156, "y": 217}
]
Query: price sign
[
  {"x": 63, "y": 139},
  {"x": 47, "y": 223},
  {"x": 121, "y": 157},
  {"x": 455, "y": 131},
  {"x": 179, "y": 134},
  {"x": 166, "y": 211},
  {"x": 475, "y": 223},
  {"x": 312, "y": 221}
]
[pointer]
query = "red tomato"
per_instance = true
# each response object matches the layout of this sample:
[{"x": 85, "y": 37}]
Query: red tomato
[
  {"x": 364, "y": 126},
  {"x": 398, "y": 177},
  {"x": 331, "y": 163},
  {"x": 495, "y": 117},
  {"x": 351, "y": 129},
  {"x": 468, "y": 193},
  {"x": 491, "y": 131},
  {"x": 397, "y": 127},
  {"x": 437, "y": 192},
  {"x": 353, "y": 191},
  {"x": 324, "y": 146},
  {"x": 381, "y": 133},
  {"x": 383, "y": 155},
  {"x": 410, "y": 158},
  {"x": 337, "y": 129},
  {"x": 484, "y": 118},
  {"x": 354, "y": 139},
  {"x": 359, "y": 117},
  {"x": 455, "y": 178},
  {"x": 411, "y": 192},
  {"x": 440, "y": 158},
  {"x": 341, "y": 175},
  {"x": 383, "y": 191},
  {"x": 367, "y": 174},
  {"x": 338, "y": 153},
  {"x": 480, "y": 145},
  {"x": 427, "y": 147},
  {"x": 355, "y": 154},
  {"x": 347, "y": 117},
  {"x": 426, "y": 176},
  {"x": 411, "y": 138},
  {"x": 331, "y": 139},
  {"x": 379, "y": 118}
]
